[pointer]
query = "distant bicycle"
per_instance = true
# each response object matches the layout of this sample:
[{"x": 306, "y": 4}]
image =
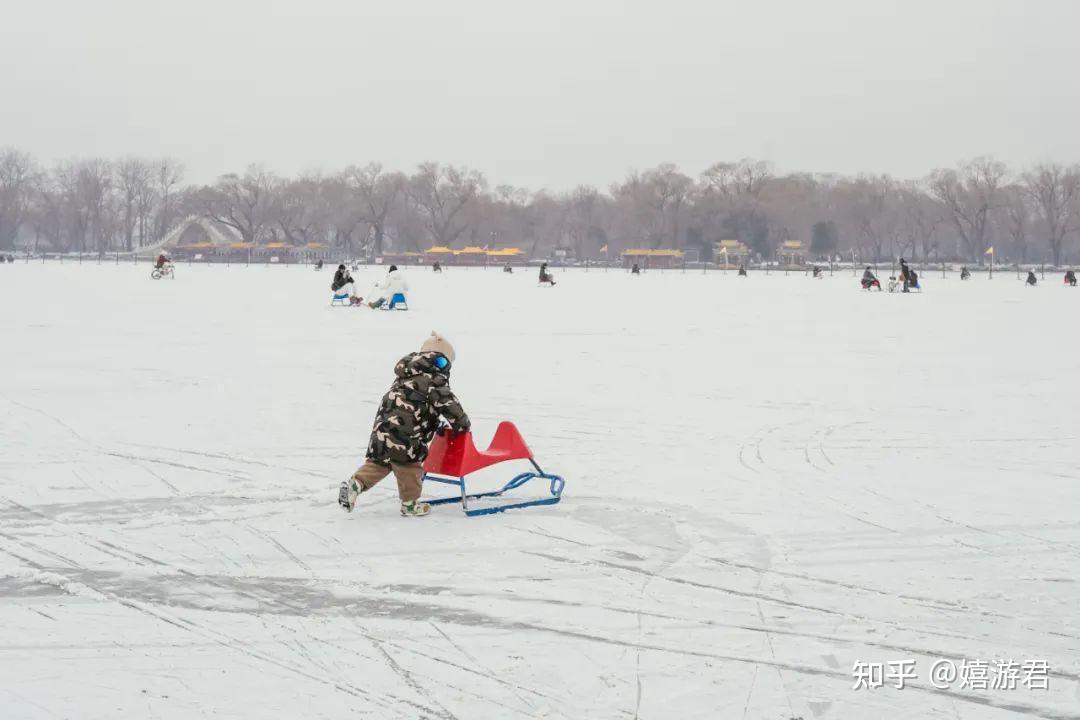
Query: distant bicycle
[{"x": 163, "y": 271}]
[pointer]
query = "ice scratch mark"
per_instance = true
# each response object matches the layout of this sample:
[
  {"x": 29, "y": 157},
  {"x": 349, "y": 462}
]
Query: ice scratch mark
[
  {"x": 74, "y": 433},
  {"x": 273, "y": 541},
  {"x": 487, "y": 671},
  {"x": 195, "y": 468},
  {"x": 409, "y": 679}
]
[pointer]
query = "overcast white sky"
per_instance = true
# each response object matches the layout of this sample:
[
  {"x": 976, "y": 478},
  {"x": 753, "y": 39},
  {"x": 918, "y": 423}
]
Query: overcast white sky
[{"x": 548, "y": 93}]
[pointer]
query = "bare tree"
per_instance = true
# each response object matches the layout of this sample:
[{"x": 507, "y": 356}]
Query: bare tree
[
  {"x": 47, "y": 213},
  {"x": 86, "y": 187},
  {"x": 145, "y": 202},
  {"x": 788, "y": 207},
  {"x": 652, "y": 202},
  {"x": 970, "y": 194},
  {"x": 168, "y": 175},
  {"x": 735, "y": 189},
  {"x": 17, "y": 175},
  {"x": 134, "y": 180},
  {"x": 640, "y": 221},
  {"x": 377, "y": 192},
  {"x": 96, "y": 195},
  {"x": 921, "y": 219},
  {"x": 301, "y": 210},
  {"x": 241, "y": 202},
  {"x": 1055, "y": 190},
  {"x": 873, "y": 213},
  {"x": 671, "y": 189},
  {"x": 1016, "y": 216},
  {"x": 745, "y": 178},
  {"x": 513, "y": 214},
  {"x": 546, "y": 220},
  {"x": 345, "y": 223},
  {"x": 441, "y": 193},
  {"x": 583, "y": 207}
]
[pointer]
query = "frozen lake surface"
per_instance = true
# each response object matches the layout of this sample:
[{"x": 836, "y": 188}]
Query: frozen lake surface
[{"x": 769, "y": 480}]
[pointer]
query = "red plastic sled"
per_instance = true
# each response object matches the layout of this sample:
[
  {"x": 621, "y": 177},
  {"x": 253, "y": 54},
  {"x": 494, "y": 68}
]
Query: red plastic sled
[{"x": 453, "y": 456}]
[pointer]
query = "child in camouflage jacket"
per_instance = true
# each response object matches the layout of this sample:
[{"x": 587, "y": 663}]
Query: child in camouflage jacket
[{"x": 407, "y": 420}]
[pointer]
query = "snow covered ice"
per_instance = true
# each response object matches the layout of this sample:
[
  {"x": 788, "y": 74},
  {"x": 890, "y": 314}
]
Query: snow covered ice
[{"x": 769, "y": 480}]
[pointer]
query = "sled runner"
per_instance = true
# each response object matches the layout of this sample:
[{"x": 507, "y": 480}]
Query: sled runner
[
  {"x": 453, "y": 457},
  {"x": 340, "y": 299}
]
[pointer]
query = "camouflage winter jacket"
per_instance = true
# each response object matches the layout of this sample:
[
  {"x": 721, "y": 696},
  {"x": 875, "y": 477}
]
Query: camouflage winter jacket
[{"x": 409, "y": 414}]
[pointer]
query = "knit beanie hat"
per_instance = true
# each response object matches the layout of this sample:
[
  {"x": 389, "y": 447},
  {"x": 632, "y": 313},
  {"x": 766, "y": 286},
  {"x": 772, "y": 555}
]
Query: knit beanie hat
[{"x": 437, "y": 343}]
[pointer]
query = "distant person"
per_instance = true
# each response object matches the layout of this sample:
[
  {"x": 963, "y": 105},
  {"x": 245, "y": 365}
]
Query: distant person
[
  {"x": 1031, "y": 280},
  {"x": 3, "y": 259},
  {"x": 635, "y": 270},
  {"x": 1070, "y": 278},
  {"x": 869, "y": 279},
  {"x": 964, "y": 274},
  {"x": 815, "y": 270},
  {"x": 162, "y": 260},
  {"x": 391, "y": 285},
  {"x": 545, "y": 276},
  {"x": 318, "y": 264},
  {"x": 436, "y": 267},
  {"x": 742, "y": 270},
  {"x": 508, "y": 269}
]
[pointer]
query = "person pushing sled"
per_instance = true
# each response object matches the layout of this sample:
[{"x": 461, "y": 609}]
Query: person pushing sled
[{"x": 405, "y": 424}]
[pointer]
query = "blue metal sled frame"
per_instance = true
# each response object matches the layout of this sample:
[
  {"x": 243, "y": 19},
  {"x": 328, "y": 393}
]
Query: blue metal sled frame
[{"x": 556, "y": 487}]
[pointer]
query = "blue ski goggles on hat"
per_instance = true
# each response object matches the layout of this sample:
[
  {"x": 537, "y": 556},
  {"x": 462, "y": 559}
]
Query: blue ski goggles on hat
[{"x": 441, "y": 362}]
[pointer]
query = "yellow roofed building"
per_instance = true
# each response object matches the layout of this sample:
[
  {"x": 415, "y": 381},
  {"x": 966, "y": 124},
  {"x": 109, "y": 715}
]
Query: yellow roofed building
[
  {"x": 662, "y": 258},
  {"x": 732, "y": 247},
  {"x": 438, "y": 254},
  {"x": 506, "y": 255},
  {"x": 791, "y": 252},
  {"x": 471, "y": 255},
  {"x": 731, "y": 252}
]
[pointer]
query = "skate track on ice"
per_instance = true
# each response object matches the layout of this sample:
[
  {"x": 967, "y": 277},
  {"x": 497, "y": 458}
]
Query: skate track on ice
[{"x": 768, "y": 479}]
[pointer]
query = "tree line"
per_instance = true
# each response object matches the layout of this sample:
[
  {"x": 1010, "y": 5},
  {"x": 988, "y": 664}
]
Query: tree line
[{"x": 956, "y": 213}]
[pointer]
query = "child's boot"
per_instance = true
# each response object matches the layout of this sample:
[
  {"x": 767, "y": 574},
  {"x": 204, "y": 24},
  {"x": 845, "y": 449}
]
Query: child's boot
[
  {"x": 415, "y": 508},
  {"x": 347, "y": 494}
]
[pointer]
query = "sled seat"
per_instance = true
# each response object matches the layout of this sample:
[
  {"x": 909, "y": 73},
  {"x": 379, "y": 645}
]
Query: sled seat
[
  {"x": 397, "y": 302},
  {"x": 454, "y": 456}
]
